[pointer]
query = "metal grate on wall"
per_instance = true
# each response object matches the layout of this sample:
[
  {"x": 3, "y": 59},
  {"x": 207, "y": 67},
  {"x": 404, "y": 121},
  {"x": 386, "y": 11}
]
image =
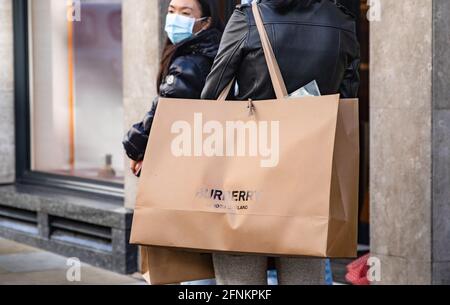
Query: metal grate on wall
[
  {"x": 84, "y": 234},
  {"x": 19, "y": 220}
]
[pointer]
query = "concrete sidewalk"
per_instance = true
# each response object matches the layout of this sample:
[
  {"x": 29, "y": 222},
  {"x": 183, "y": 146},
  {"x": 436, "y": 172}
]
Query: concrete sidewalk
[{"x": 24, "y": 265}]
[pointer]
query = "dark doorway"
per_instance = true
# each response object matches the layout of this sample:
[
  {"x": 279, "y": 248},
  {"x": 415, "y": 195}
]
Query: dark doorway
[
  {"x": 227, "y": 7},
  {"x": 359, "y": 8}
]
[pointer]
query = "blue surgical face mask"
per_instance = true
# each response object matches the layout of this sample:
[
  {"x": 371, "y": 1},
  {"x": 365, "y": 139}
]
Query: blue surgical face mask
[{"x": 179, "y": 27}]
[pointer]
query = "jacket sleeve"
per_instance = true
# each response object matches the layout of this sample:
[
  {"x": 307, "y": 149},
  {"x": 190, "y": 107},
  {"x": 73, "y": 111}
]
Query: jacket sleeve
[
  {"x": 350, "y": 84},
  {"x": 136, "y": 139},
  {"x": 186, "y": 77},
  {"x": 229, "y": 57}
]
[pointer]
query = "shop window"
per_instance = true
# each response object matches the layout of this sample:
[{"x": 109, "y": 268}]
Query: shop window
[{"x": 75, "y": 75}]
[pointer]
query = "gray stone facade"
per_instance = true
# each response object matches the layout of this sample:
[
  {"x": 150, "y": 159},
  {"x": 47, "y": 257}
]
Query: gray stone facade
[
  {"x": 142, "y": 37},
  {"x": 410, "y": 207},
  {"x": 94, "y": 229},
  {"x": 7, "y": 149},
  {"x": 441, "y": 144}
]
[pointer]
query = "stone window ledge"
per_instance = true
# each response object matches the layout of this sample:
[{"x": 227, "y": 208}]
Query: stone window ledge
[{"x": 93, "y": 228}]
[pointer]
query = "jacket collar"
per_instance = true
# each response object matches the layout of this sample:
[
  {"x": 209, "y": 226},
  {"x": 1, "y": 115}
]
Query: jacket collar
[{"x": 204, "y": 43}]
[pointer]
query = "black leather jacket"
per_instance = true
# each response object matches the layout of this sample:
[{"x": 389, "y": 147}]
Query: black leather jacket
[
  {"x": 314, "y": 43},
  {"x": 186, "y": 78}
]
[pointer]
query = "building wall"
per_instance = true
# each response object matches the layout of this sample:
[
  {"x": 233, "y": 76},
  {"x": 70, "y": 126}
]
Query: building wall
[
  {"x": 7, "y": 160},
  {"x": 441, "y": 143},
  {"x": 141, "y": 36},
  {"x": 401, "y": 79},
  {"x": 410, "y": 123}
]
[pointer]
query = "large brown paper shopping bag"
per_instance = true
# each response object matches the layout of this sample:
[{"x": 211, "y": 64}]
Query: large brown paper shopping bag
[
  {"x": 161, "y": 266},
  {"x": 276, "y": 177}
]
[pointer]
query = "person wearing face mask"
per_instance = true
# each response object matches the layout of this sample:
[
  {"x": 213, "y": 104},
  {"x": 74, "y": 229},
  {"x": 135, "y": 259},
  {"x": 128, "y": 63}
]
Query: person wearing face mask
[
  {"x": 193, "y": 35},
  {"x": 312, "y": 40}
]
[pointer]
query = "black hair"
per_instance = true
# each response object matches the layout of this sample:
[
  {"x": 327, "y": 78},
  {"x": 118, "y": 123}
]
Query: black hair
[
  {"x": 210, "y": 9},
  {"x": 285, "y": 4}
]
